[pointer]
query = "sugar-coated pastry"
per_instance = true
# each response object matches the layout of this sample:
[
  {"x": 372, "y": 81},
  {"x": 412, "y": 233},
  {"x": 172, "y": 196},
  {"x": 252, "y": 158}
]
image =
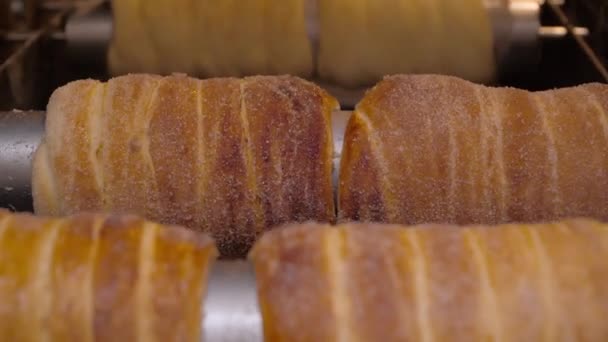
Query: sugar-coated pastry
[
  {"x": 231, "y": 157},
  {"x": 421, "y": 149},
  {"x": 94, "y": 277},
  {"x": 370, "y": 282}
]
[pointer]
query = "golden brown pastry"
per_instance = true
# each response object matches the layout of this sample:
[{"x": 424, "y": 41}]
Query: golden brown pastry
[
  {"x": 231, "y": 157},
  {"x": 363, "y": 40},
  {"x": 100, "y": 278},
  {"x": 422, "y": 149},
  {"x": 366, "y": 282},
  {"x": 210, "y": 37}
]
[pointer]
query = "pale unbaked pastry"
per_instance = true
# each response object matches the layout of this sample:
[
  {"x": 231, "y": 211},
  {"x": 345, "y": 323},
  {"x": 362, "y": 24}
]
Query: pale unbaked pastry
[
  {"x": 100, "y": 278},
  {"x": 422, "y": 149},
  {"x": 366, "y": 282},
  {"x": 360, "y": 41},
  {"x": 210, "y": 37},
  {"x": 232, "y": 157},
  {"x": 363, "y": 40}
]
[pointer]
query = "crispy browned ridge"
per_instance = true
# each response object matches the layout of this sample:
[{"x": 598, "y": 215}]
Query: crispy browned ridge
[
  {"x": 422, "y": 149},
  {"x": 367, "y": 282},
  {"x": 100, "y": 278},
  {"x": 231, "y": 157}
]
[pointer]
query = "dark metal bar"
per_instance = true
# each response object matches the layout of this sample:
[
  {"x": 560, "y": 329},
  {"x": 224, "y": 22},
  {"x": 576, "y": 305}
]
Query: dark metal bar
[{"x": 20, "y": 134}]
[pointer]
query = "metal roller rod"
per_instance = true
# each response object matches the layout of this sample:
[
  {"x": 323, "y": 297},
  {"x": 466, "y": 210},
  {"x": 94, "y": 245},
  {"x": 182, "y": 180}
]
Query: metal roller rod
[
  {"x": 231, "y": 311},
  {"x": 21, "y": 132},
  {"x": 88, "y": 35}
]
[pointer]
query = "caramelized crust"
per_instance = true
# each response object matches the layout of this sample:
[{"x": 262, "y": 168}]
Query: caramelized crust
[
  {"x": 100, "y": 278},
  {"x": 232, "y": 157},
  {"x": 422, "y": 149},
  {"x": 369, "y": 282}
]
